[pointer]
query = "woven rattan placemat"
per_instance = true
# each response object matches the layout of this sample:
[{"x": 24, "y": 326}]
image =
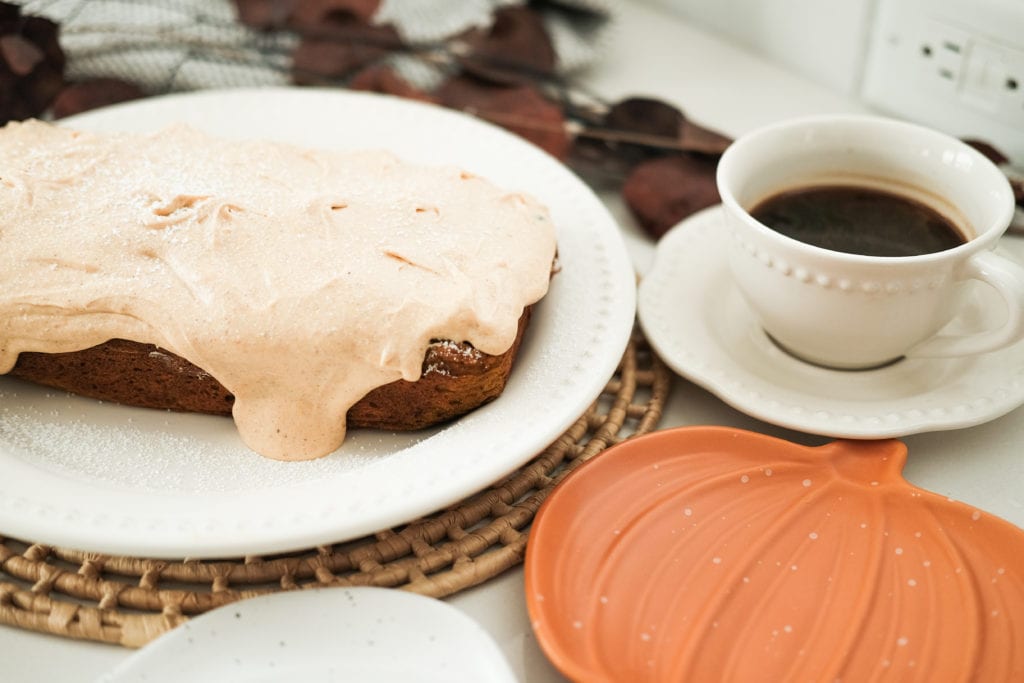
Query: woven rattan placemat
[{"x": 130, "y": 601}]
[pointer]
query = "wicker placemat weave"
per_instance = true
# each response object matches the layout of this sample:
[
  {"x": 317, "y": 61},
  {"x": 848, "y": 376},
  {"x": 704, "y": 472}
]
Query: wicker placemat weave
[{"x": 129, "y": 601}]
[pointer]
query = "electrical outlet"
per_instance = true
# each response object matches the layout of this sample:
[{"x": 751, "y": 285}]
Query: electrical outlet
[
  {"x": 941, "y": 56},
  {"x": 957, "y": 65},
  {"x": 993, "y": 80}
]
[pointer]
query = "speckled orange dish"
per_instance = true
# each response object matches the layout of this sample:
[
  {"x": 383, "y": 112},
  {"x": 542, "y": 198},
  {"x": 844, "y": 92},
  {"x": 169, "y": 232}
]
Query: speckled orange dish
[{"x": 715, "y": 554}]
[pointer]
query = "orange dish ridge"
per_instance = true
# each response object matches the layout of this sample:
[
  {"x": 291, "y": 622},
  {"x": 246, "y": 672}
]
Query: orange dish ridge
[{"x": 715, "y": 554}]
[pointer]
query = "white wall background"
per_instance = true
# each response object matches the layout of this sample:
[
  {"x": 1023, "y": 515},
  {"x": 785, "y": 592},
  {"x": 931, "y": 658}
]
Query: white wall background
[
  {"x": 824, "y": 40},
  {"x": 870, "y": 51}
]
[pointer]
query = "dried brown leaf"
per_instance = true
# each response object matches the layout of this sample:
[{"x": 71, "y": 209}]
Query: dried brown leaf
[
  {"x": 521, "y": 109},
  {"x": 988, "y": 150},
  {"x": 697, "y": 138},
  {"x": 645, "y": 115},
  {"x": 265, "y": 14},
  {"x": 380, "y": 78},
  {"x": 661, "y": 192},
  {"x": 631, "y": 130},
  {"x": 338, "y": 48},
  {"x": 9, "y": 11},
  {"x": 19, "y": 54},
  {"x": 639, "y": 127},
  {"x": 515, "y": 49},
  {"x": 321, "y": 62},
  {"x": 92, "y": 94},
  {"x": 316, "y": 12},
  {"x": 45, "y": 34},
  {"x": 31, "y": 64}
]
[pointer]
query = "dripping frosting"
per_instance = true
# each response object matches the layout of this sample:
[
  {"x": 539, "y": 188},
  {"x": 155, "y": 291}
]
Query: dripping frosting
[{"x": 300, "y": 279}]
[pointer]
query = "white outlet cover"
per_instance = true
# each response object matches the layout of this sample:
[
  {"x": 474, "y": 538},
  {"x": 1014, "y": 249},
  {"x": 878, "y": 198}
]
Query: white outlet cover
[{"x": 961, "y": 88}]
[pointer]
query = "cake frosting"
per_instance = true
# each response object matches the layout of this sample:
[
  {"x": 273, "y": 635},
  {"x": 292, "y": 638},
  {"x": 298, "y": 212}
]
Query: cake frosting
[{"x": 300, "y": 279}]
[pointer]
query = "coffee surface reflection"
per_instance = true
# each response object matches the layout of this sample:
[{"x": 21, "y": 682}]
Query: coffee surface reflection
[{"x": 858, "y": 220}]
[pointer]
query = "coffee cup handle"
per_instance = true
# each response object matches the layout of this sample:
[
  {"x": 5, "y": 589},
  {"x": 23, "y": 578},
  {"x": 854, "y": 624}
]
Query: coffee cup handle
[{"x": 1007, "y": 278}]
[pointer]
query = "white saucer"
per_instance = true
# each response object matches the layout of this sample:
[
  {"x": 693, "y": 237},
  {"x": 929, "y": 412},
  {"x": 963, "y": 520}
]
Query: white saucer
[
  {"x": 322, "y": 635},
  {"x": 700, "y": 325}
]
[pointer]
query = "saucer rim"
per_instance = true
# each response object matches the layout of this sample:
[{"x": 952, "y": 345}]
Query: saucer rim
[{"x": 701, "y": 361}]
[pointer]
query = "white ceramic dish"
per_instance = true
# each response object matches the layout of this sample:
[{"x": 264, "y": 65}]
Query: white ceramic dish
[
  {"x": 112, "y": 479},
  {"x": 702, "y": 327},
  {"x": 322, "y": 636}
]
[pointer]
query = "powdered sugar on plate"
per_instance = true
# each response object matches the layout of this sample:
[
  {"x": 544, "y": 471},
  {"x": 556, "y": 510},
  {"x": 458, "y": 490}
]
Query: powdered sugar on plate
[{"x": 158, "y": 451}]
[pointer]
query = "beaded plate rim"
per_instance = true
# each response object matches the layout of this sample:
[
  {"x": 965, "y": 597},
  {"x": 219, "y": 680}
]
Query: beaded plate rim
[{"x": 131, "y": 600}]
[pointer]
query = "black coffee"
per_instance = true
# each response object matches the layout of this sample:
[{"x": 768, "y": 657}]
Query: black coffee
[{"x": 858, "y": 220}]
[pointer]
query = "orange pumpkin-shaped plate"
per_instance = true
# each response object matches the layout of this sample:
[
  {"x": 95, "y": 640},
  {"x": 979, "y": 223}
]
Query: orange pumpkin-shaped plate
[{"x": 714, "y": 554}]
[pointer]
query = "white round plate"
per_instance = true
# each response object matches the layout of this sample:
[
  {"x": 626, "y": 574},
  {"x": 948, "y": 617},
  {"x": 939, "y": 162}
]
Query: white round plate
[
  {"x": 320, "y": 636},
  {"x": 699, "y": 323},
  {"x": 112, "y": 479}
]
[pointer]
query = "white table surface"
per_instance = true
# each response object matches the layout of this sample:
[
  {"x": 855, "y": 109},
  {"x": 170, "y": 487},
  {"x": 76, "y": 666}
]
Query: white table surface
[{"x": 656, "y": 54}]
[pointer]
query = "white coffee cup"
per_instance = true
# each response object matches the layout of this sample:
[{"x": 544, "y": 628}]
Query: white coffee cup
[{"x": 850, "y": 310}]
